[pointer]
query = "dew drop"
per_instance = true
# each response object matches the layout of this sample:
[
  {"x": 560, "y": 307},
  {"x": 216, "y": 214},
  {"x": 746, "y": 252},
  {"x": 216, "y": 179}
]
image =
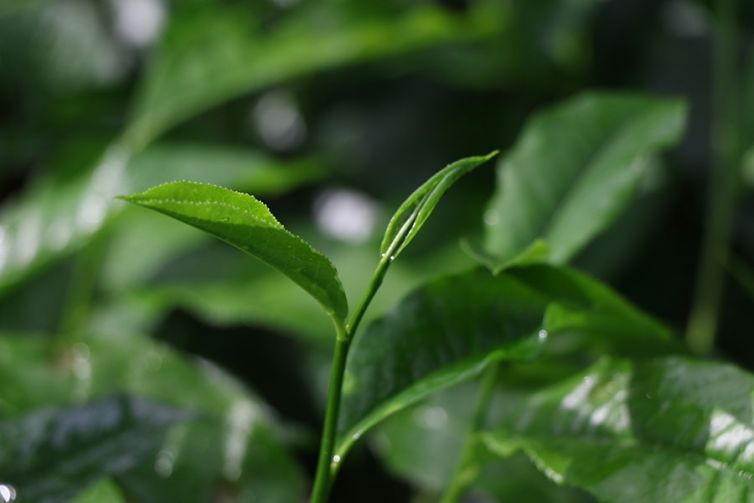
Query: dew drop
[
  {"x": 336, "y": 459},
  {"x": 542, "y": 335}
]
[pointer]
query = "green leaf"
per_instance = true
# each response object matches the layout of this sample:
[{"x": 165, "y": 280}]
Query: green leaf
[
  {"x": 416, "y": 209},
  {"x": 748, "y": 167},
  {"x": 223, "y": 288},
  {"x": 574, "y": 169},
  {"x": 197, "y": 456},
  {"x": 199, "y": 463},
  {"x": 450, "y": 329},
  {"x": 246, "y": 223},
  {"x": 59, "y": 215},
  {"x": 210, "y": 55},
  {"x": 422, "y": 444},
  {"x": 52, "y": 454},
  {"x": 104, "y": 491},
  {"x": 665, "y": 430}
]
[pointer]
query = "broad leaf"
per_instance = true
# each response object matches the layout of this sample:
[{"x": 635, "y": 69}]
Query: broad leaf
[
  {"x": 574, "y": 169},
  {"x": 211, "y": 55},
  {"x": 422, "y": 444},
  {"x": 59, "y": 215},
  {"x": 196, "y": 456},
  {"x": 52, "y": 454},
  {"x": 416, "y": 209},
  {"x": 246, "y": 223},
  {"x": 664, "y": 430},
  {"x": 450, "y": 329}
]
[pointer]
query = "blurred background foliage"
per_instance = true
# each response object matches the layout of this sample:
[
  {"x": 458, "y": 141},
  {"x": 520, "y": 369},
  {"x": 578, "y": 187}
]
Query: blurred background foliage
[{"x": 331, "y": 112}]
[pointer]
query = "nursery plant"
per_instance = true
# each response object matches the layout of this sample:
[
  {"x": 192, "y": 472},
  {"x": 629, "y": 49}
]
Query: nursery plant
[{"x": 476, "y": 349}]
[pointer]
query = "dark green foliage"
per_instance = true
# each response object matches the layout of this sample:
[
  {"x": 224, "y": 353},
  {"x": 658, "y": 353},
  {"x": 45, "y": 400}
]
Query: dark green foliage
[{"x": 141, "y": 360}]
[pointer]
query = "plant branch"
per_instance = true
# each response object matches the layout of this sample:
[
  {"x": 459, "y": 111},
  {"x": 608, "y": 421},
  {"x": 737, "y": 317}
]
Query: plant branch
[
  {"x": 467, "y": 470},
  {"x": 723, "y": 181},
  {"x": 327, "y": 464}
]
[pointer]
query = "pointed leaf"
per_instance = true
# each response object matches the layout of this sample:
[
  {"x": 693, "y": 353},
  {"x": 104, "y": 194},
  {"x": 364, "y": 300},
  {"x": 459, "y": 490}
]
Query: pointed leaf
[
  {"x": 415, "y": 210},
  {"x": 57, "y": 216},
  {"x": 246, "y": 223},
  {"x": 53, "y": 454},
  {"x": 665, "y": 430},
  {"x": 574, "y": 169},
  {"x": 450, "y": 329}
]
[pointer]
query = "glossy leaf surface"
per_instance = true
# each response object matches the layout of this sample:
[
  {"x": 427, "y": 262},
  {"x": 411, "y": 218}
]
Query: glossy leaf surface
[
  {"x": 231, "y": 441},
  {"x": 665, "y": 430},
  {"x": 417, "y": 208},
  {"x": 573, "y": 169},
  {"x": 246, "y": 223},
  {"x": 51, "y": 455},
  {"x": 450, "y": 329},
  {"x": 422, "y": 444}
]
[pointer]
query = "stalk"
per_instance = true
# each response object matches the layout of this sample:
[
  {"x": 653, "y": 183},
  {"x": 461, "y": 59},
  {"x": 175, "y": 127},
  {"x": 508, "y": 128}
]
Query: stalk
[
  {"x": 722, "y": 196},
  {"x": 327, "y": 464},
  {"x": 466, "y": 470}
]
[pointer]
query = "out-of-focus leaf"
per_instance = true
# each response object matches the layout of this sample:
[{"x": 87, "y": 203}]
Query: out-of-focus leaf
[
  {"x": 232, "y": 456},
  {"x": 246, "y": 223},
  {"x": 748, "y": 167},
  {"x": 53, "y": 454},
  {"x": 666, "y": 430},
  {"x": 221, "y": 449},
  {"x": 104, "y": 491},
  {"x": 54, "y": 46},
  {"x": 450, "y": 329},
  {"x": 211, "y": 55},
  {"x": 223, "y": 288},
  {"x": 573, "y": 170},
  {"x": 417, "y": 208},
  {"x": 57, "y": 216}
]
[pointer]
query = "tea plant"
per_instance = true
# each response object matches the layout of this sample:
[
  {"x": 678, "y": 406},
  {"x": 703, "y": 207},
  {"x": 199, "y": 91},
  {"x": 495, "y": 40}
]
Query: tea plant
[{"x": 507, "y": 372}]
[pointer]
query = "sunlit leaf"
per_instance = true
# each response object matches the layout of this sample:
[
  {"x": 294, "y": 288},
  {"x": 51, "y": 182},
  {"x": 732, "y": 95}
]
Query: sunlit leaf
[
  {"x": 417, "y": 208},
  {"x": 573, "y": 170},
  {"x": 53, "y": 454},
  {"x": 246, "y": 223},
  {"x": 57, "y": 216},
  {"x": 665, "y": 430}
]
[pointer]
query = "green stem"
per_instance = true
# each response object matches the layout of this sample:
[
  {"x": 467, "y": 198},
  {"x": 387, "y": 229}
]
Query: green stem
[
  {"x": 467, "y": 470},
  {"x": 323, "y": 479},
  {"x": 327, "y": 464},
  {"x": 723, "y": 180}
]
